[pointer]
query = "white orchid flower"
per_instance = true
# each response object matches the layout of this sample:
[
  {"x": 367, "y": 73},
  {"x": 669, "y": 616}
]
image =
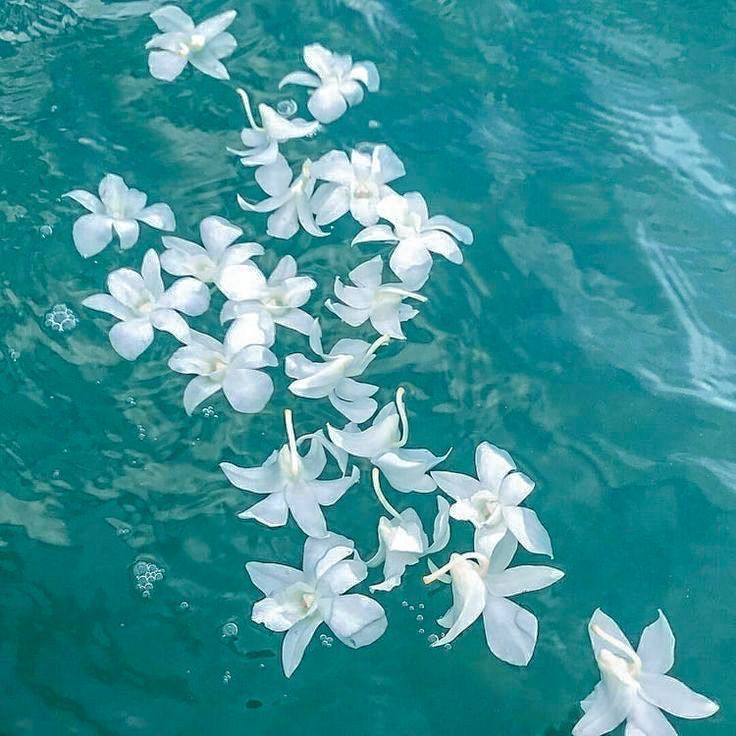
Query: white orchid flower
[
  {"x": 417, "y": 236},
  {"x": 634, "y": 686},
  {"x": 299, "y": 601},
  {"x": 262, "y": 141},
  {"x": 336, "y": 82},
  {"x": 491, "y": 502},
  {"x": 233, "y": 366},
  {"x": 357, "y": 184},
  {"x": 277, "y": 298},
  {"x": 383, "y": 444},
  {"x": 289, "y": 199},
  {"x": 290, "y": 482},
  {"x": 482, "y": 586},
  {"x": 141, "y": 303},
  {"x": 181, "y": 42},
  {"x": 207, "y": 261},
  {"x": 119, "y": 210},
  {"x": 401, "y": 539},
  {"x": 382, "y": 304},
  {"x": 334, "y": 377}
]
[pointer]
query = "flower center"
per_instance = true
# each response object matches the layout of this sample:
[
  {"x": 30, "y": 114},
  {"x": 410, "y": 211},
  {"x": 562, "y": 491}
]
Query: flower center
[{"x": 197, "y": 42}]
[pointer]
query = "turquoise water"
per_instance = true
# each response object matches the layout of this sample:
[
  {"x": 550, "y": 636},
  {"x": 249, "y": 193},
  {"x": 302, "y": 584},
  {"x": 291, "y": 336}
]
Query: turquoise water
[{"x": 591, "y": 332}]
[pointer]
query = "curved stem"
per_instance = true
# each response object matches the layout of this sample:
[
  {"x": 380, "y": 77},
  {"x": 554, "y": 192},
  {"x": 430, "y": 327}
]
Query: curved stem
[
  {"x": 379, "y": 343},
  {"x": 401, "y": 408},
  {"x": 618, "y": 645},
  {"x": 404, "y": 294},
  {"x": 246, "y": 105},
  {"x": 376, "y": 476},
  {"x": 291, "y": 435},
  {"x": 482, "y": 561}
]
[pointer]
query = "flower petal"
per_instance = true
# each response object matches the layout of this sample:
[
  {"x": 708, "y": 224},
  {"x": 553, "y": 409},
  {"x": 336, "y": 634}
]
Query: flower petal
[
  {"x": 127, "y": 231},
  {"x": 321, "y": 554},
  {"x": 265, "y": 478},
  {"x": 198, "y": 390},
  {"x": 91, "y": 234},
  {"x": 605, "y": 709},
  {"x": 492, "y": 464},
  {"x": 186, "y": 295},
  {"x": 469, "y": 598},
  {"x": 456, "y": 485},
  {"x": 646, "y": 720},
  {"x": 305, "y": 79},
  {"x": 327, "y": 104},
  {"x": 330, "y": 202},
  {"x": 247, "y": 390},
  {"x": 274, "y": 178},
  {"x": 170, "y": 19},
  {"x": 159, "y": 216},
  {"x": 295, "y": 642},
  {"x": 657, "y": 646},
  {"x": 463, "y": 233},
  {"x": 284, "y": 222},
  {"x": 515, "y": 487},
  {"x": 272, "y": 511},
  {"x": 524, "y": 524},
  {"x": 165, "y": 65},
  {"x": 270, "y": 577},
  {"x": 355, "y": 619},
  {"x": 334, "y": 166},
  {"x": 511, "y": 631},
  {"x": 366, "y": 72},
  {"x": 217, "y": 234},
  {"x": 410, "y": 261},
  {"x": 522, "y": 579},
  {"x": 675, "y": 697},
  {"x": 441, "y": 528},
  {"x": 129, "y": 339},
  {"x": 374, "y": 233},
  {"x": 610, "y": 627},
  {"x": 208, "y": 64},
  {"x": 215, "y": 25},
  {"x": 87, "y": 200},
  {"x": 106, "y": 303}
]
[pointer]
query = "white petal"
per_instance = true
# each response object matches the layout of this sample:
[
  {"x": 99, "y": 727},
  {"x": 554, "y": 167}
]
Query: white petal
[
  {"x": 129, "y": 339},
  {"x": 522, "y": 579},
  {"x": 368, "y": 275},
  {"x": 263, "y": 479},
  {"x": 126, "y": 286},
  {"x": 334, "y": 166},
  {"x": 321, "y": 554},
  {"x": 295, "y": 642},
  {"x": 441, "y": 528},
  {"x": 170, "y": 18},
  {"x": 274, "y": 178},
  {"x": 187, "y": 295},
  {"x": 442, "y": 244},
  {"x": 606, "y": 709},
  {"x": 675, "y": 697},
  {"x": 87, "y": 200},
  {"x": 526, "y": 527},
  {"x": 215, "y": 25},
  {"x": 306, "y": 511},
  {"x": 469, "y": 598},
  {"x": 327, "y": 104},
  {"x": 208, "y": 64},
  {"x": 248, "y": 329},
  {"x": 410, "y": 261},
  {"x": 461, "y": 232},
  {"x": 319, "y": 59},
  {"x": 114, "y": 192},
  {"x": 165, "y": 65},
  {"x": 374, "y": 233},
  {"x": 406, "y": 470},
  {"x": 515, "y": 487},
  {"x": 358, "y": 410},
  {"x": 217, "y": 234},
  {"x": 167, "y": 320},
  {"x": 328, "y": 492},
  {"x": 151, "y": 274},
  {"x": 492, "y": 464},
  {"x": 366, "y": 72},
  {"x": 386, "y": 165},
  {"x": 511, "y": 631},
  {"x": 296, "y": 319},
  {"x": 198, "y": 390},
  {"x": 106, "y": 303},
  {"x": 91, "y": 234},
  {"x": 657, "y": 646},
  {"x": 272, "y": 511},
  {"x": 282, "y": 129},
  {"x": 247, "y": 390},
  {"x": 270, "y": 577},
  {"x": 646, "y": 720},
  {"x": 342, "y": 576},
  {"x": 305, "y": 79},
  {"x": 456, "y": 485},
  {"x": 284, "y": 222},
  {"x": 306, "y": 217},
  {"x": 355, "y": 619},
  {"x": 127, "y": 231},
  {"x": 352, "y": 92},
  {"x": 610, "y": 627},
  {"x": 330, "y": 203},
  {"x": 242, "y": 282},
  {"x": 158, "y": 216}
]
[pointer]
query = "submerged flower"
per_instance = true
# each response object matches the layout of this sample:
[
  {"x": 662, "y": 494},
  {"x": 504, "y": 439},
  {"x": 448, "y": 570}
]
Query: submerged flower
[
  {"x": 417, "y": 235},
  {"x": 634, "y": 686},
  {"x": 383, "y": 444},
  {"x": 289, "y": 199},
  {"x": 277, "y": 298},
  {"x": 232, "y": 366},
  {"x": 263, "y": 140},
  {"x": 207, "y": 261},
  {"x": 291, "y": 483},
  {"x": 491, "y": 503},
  {"x": 357, "y": 184},
  {"x": 118, "y": 209},
  {"x": 299, "y": 601},
  {"x": 141, "y": 303},
  {"x": 402, "y": 540},
  {"x": 180, "y": 41},
  {"x": 336, "y": 81},
  {"x": 382, "y": 304},
  {"x": 334, "y": 378}
]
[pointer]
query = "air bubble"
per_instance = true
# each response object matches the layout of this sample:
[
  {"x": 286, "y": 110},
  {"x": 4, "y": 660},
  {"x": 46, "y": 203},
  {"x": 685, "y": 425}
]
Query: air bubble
[
  {"x": 46, "y": 231},
  {"x": 421, "y": 605},
  {"x": 405, "y": 603},
  {"x": 230, "y": 629},
  {"x": 184, "y": 605},
  {"x": 420, "y": 617},
  {"x": 209, "y": 412},
  {"x": 411, "y": 608},
  {"x": 432, "y": 638},
  {"x": 146, "y": 575},
  {"x": 61, "y": 319},
  {"x": 226, "y": 677},
  {"x": 420, "y": 631},
  {"x": 447, "y": 647},
  {"x": 287, "y": 108}
]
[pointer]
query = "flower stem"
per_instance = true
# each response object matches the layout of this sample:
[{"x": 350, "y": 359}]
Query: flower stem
[
  {"x": 618, "y": 645},
  {"x": 376, "y": 476},
  {"x": 401, "y": 408},
  {"x": 379, "y": 343},
  {"x": 482, "y": 561},
  {"x": 289, "y": 421},
  {"x": 246, "y": 105}
]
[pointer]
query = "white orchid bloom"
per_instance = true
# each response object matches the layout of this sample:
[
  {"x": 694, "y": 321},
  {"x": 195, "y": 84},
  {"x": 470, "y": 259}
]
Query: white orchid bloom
[
  {"x": 383, "y": 444},
  {"x": 491, "y": 502},
  {"x": 299, "y": 601},
  {"x": 401, "y": 539},
  {"x": 382, "y": 304},
  {"x": 289, "y": 199},
  {"x": 119, "y": 210},
  {"x": 141, "y": 303},
  {"x": 181, "y": 42},
  {"x": 482, "y": 586},
  {"x": 290, "y": 482},
  {"x": 334, "y": 377},
  {"x": 262, "y": 141},
  {"x": 336, "y": 82},
  {"x": 277, "y": 298},
  {"x": 357, "y": 184},
  {"x": 233, "y": 366},
  {"x": 206, "y": 262},
  {"x": 417, "y": 236},
  {"x": 634, "y": 686}
]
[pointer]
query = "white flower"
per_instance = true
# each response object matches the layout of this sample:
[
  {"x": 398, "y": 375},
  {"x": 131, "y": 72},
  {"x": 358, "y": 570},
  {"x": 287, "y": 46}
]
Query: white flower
[
  {"x": 382, "y": 304},
  {"x": 357, "y": 185},
  {"x": 634, "y": 687},
  {"x": 141, "y": 303},
  {"x": 232, "y": 365},
  {"x": 491, "y": 503},
  {"x": 262, "y": 141},
  {"x": 417, "y": 235},
  {"x": 118, "y": 209},
  {"x": 207, "y": 261},
  {"x": 289, "y": 199},
  {"x": 290, "y": 482},
  {"x": 180, "y": 41},
  {"x": 383, "y": 444},
  {"x": 336, "y": 81},
  {"x": 278, "y": 299},
  {"x": 483, "y": 586},
  {"x": 298, "y": 601},
  {"x": 402, "y": 540},
  {"x": 334, "y": 377}
]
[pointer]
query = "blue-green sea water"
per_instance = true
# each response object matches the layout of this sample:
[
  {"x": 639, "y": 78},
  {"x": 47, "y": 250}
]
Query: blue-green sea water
[{"x": 591, "y": 147}]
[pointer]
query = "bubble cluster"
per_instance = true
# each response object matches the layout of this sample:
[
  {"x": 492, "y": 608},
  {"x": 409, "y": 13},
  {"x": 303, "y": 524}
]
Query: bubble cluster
[
  {"x": 141, "y": 432},
  {"x": 209, "y": 412},
  {"x": 325, "y": 640},
  {"x": 229, "y": 629},
  {"x": 130, "y": 400},
  {"x": 61, "y": 319},
  {"x": 226, "y": 677},
  {"x": 286, "y": 108},
  {"x": 146, "y": 575}
]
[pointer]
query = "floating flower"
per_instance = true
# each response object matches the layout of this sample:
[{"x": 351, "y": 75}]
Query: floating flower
[
  {"x": 634, "y": 687},
  {"x": 118, "y": 209},
  {"x": 207, "y": 261},
  {"x": 417, "y": 235},
  {"x": 357, "y": 184},
  {"x": 298, "y": 601},
  {"x": 336, "y": 82},
  {"x": 141, "y": 303},
  {"x": 180, "y": 41},
  {"x": 291, "y": 483},
  {"x": 401, "y": 539},
  {"x": 334, "y": 378},
  {"x": 383, "y": 444},
  {"x": 491, "y": 502},
  {"x": 289, "y": 199},
  {"x": 262, "y": 141},
  {"x": 382, "y": 304},
  {"x": 277, "y": 299},
  {"x": 232, "y": 366}
]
